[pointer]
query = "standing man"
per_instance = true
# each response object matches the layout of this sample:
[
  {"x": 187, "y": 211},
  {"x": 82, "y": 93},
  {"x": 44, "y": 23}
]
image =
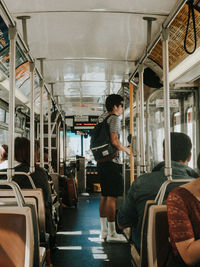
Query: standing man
[{"x": 110, "y": 172}]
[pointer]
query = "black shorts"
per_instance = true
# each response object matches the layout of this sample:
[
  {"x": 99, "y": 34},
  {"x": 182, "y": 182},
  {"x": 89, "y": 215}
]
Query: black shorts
[{"x": 110, "y": 175}]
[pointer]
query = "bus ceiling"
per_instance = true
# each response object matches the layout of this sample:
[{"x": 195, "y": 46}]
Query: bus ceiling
[{"x": 90, "y": 50}]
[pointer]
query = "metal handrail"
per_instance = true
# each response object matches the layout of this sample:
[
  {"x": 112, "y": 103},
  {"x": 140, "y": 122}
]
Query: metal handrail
[
  {"x": 17, "y": 191},
  {"x": 161, "y": 193},
  {"x": 23, "y": 173}
]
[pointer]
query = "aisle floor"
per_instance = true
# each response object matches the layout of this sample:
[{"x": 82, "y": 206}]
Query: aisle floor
[{"x": 78, "y": 241}]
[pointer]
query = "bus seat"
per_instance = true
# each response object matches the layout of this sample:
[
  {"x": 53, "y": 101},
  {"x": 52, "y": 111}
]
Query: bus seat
[
  {"x": 158, "y": 236},
  {"x": 36, "y": 194},
  {"x": 39, "y": 252},
  {"x": 127, "y": 233},
  {"x": 143, "y": 243},
  {"x": 16, "y": 236},
  {"x": 139, "y": 259},
  {"x": 10, "y": 201},
  {"x": 135, "y": 256}
]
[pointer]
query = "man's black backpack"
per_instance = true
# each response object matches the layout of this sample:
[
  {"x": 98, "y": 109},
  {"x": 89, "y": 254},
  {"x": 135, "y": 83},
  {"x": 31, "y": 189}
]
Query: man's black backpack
[{"x": 100, "y": 143}]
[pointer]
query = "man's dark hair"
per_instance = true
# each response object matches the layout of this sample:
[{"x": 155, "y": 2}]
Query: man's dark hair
[
  {"x": 22, "y": 150},
  {"x": 113, "y": 100},
  {"x": 181, "y": 146}
]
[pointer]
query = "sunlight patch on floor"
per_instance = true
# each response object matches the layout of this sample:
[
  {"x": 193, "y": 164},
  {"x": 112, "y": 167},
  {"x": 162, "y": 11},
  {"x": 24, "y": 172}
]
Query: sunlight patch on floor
[
  {"x": 100, "y": 256},
  {"x": 95, "y": 239},
  {"x": 69, "y": 247},
  {"x": 70, "y": 233},
  {"x": 98, "y": 253},
  {"x": 94, "y": 232}
]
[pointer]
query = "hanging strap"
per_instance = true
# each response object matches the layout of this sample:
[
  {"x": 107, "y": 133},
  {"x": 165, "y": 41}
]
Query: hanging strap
[{"x": 190, "y": 10}]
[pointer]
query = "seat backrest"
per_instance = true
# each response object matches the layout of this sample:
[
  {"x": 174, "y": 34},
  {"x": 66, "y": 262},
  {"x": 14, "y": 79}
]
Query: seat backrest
[
  {"x": 158, "y": 236},
  {"x": 140, "y": 258},
  {"x": 143, "y": 243},
  {"x": 36, "y": 194},
  {"x": 10, "y": 201},
  {"x": 16, "y": 236}
]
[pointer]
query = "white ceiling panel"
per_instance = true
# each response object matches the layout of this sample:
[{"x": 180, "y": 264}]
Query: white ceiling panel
[
  {"x": 29, "y": 6},
  {"x": 90, "y": 47}
]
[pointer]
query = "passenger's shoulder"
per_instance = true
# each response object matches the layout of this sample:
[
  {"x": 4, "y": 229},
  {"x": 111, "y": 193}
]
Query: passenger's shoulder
[
  {"x": 147, "y": 176},
  {"x": 113, "y": 119},
  {"x": 147, "y": 181}
]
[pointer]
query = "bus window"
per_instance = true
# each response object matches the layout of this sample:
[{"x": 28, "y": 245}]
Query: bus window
[
  {"x": 157, "y": 131},
  {"x": 190, "y": 131},
  {"x": 7, "y": 117},
  {"x": 17, "y": 122},
  {"x": 2, "y": 115},
  {"x": 177, "y": 122},
  {"x": 86, "y": 145},
  {"x": 73, "y": 145},
  {"x": 3, "y": 136},
  {"x": 159, "y": 141}
]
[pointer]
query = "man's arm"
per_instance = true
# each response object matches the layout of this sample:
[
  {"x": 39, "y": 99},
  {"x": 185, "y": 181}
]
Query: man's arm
[{"x": 116, "y": 142}]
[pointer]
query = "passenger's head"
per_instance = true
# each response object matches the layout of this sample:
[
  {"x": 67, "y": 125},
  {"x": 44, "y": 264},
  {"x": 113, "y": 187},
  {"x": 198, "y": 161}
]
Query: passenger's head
[
  {"x": 22, "y": 150},
  {"x": 3, "y": 153},
  {"x": 181, "y": 146},
  {"x": 112, "y": 101}
]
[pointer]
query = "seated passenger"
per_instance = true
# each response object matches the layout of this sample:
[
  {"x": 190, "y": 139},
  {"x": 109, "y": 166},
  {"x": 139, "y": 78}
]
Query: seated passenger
[
  {"x": 3, "y": 157},
  {"x": 146, "y": 186},
  {"x": 40, "y": 178},
  {"x": 183, "y": 210}
]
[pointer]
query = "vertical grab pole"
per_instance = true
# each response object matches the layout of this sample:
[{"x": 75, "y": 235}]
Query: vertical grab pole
[
  {"x": 123, "y": 141},
  {"x": 142, "y": 147},
  {"x": 168, "y": 169},
  {"x": 32, "y": 112},
  {"x": 194, "y": 145},
  {"x": 137, "y": 133},
  {"x": 58, "y": 146},
  {"x": 64, "y": 142},
  {"x": 41, "y": 125},
  {"x": 49, "y": 131},
  {"x": 131, "y": 132},
  {"x": 12, "y": 37},
  {"x": 147, "y": 136}
]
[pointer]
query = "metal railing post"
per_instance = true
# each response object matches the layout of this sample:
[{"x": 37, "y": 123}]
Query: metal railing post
[
  {"x": 142, "y": 147},
  {"x": 123, "y": 142},
  {"x": 12, "y": 78},
  {"x": 32, "y": 122},
  {"x": 41, "y": 126},
  {"x": 168, "y": 169},
  {"x": 137, "y": 133},
  {"x": 131, "y": 132}
]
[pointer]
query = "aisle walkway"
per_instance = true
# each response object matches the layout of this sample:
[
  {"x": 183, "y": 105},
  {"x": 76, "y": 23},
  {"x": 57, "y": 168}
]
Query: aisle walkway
[{"x": 78, "y": 239}]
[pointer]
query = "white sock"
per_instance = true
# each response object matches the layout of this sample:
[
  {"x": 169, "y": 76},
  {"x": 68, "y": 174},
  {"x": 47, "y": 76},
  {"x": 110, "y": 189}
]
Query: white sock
[
  {"x": 103, "y": 221},
  {"x": 111, "y": 228}
]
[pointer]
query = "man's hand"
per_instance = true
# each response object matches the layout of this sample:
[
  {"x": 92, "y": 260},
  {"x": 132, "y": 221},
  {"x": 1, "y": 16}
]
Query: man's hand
[{"x": 127, "y": 150}]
